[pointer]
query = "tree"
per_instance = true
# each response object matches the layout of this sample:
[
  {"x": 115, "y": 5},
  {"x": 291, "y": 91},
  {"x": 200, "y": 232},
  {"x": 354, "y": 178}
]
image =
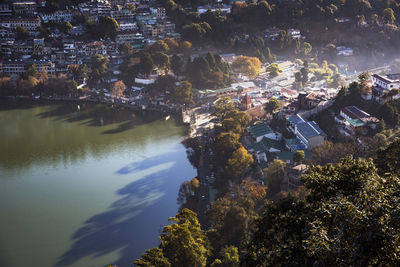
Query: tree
[
  {"x": 388, "y": 15},
  {"x": 117, "y": 89},
  {"x": 251, "y": 66},
  {"x": 298, "y": 156},
  {"x": 159, "y": 46},
  {"x": 127, "y": 49},
  {"x": 65, "y": 27},
  {"x": 349, "y": 217},
  {"x": 387, "y": 159},
  {"x": 186, "y": 47},
  {"x": 98, "y": 67},
  {"x": 172, "y": 45},
  {"x": 21, "y": 33},
  {"x": 153, "y": 257},
  {"x": 389, "y": 113},
  {"x": 183, "y": 242},
  {"x": 238, "y": 163},
  {"x": 163, "y": 84},
  {"x": 224, "y": 145},
  {"x": 183, "y": 94},
  {"x": 272, "y": 106},
  {"x": 273, "y": 175},
  {"x": 161, "y": 60},
  {"x": 306, "y": 48},
  {"x": 177, "y": 65},
  {"x": 274, "y": 69},
  {"x": 31, "y": 70},
  {"x": 223, "y": 108},
  {"x": 107, "y": 27},
  {"x": 146, "y": 64}
]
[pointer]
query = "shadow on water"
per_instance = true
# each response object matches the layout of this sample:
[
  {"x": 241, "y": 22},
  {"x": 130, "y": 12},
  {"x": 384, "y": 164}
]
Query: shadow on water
[
  {"x": 130, "y": 224},
  {"x": 89, "y": 114},
  {"x": 98, "y": 115}
]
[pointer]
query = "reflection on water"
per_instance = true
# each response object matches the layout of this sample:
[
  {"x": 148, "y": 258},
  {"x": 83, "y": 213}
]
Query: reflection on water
[
  {"x": 40, "y": 134},
  {"x": 85, "y": 188}
]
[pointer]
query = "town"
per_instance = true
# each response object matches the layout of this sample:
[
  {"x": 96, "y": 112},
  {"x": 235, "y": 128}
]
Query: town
[{"x": 258, "y": 118}]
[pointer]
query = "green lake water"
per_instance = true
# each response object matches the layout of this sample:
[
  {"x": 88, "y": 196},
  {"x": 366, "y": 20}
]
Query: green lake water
[{"x": 85, "y": 186}]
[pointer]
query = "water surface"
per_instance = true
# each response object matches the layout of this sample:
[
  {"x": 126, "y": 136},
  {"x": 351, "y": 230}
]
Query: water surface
[{"x": 85, "y": 186}]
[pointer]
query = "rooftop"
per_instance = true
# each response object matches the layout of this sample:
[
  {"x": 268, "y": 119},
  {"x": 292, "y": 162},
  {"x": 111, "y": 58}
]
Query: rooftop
[{"x": 260, "y": 129}]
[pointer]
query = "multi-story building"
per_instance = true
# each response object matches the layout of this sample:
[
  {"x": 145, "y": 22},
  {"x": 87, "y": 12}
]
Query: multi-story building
[
  {"x": 127, "y": 26},
  {"x": 309, "y": 133},
  {"x": 5, "y": 10},
  {"x": 30, "y": 24},
  {"x": 387, "y": 82},
  {"x": 17, "y": 67},
  {"x": 57, "y": 16},
  {"x": 159, "y": 12},
  {"x": 129, "y": 36},
  {"x": 123, "y": 15},
  {"x": 24, "y": 8},
  {"x": 90, "y": 49}
]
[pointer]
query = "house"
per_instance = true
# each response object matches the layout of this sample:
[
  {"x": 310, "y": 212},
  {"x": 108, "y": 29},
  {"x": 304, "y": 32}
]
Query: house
[
  {"x": 307, "y": 132},
  {"x": 260, "y": 130},
  {"x": 291, "y": 177},
  {"x": 344, "y": 51},
  {"x": 342, "y": 19},
  {"x": 386, "y": 82},
  {"x": 264, "y": 146},
  {"x": 24, "y": 8},
  {"x": 294, "y": 33},
  {"x": 308, "y": 100},
  {"x": 357, "y": 121}
]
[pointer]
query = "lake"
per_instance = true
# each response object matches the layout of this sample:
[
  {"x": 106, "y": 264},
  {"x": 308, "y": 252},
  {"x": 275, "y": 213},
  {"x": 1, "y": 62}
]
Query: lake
[{"x": 85, "y": 185}]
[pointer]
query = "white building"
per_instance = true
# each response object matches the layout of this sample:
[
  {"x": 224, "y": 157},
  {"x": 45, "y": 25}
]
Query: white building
[
  {"x": 57, "y": 16},
  {"x": 388, "y": 82}
]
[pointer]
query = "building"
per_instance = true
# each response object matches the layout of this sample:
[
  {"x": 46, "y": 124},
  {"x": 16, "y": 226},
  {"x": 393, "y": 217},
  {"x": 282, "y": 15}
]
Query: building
[
  {"x": 294, "y": 33},
  {"x": 245, "y": 103},
  {"x": 90, "y": 49},
  {"x": 387, "y": 82},
  {"x": 17, "y": 67},
  {"x": 57, "y": 16},
  {"x": 24, "y": 8},
  {"x": 344, "y": 51},
  {"x": 130, "y": 36},
  {"x": 260, "y": 130},
  {"x": 307, "y": 132},
  {"x": 291, "y": 178},
  {"x": 356, "y": 120},
  {"x": 5, "y": 10},
  {"x": 308, "y": 100},
  {"x": 159, "y": 12},
  {"x": 30, "y": 24}
]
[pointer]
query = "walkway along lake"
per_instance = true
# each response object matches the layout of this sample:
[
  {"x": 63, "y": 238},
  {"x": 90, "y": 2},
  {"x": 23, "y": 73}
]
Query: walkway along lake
[{"x": 86, "y": 186}]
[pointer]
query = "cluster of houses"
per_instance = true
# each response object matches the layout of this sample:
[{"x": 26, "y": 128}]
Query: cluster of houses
[{"x": 141, "y": 22}]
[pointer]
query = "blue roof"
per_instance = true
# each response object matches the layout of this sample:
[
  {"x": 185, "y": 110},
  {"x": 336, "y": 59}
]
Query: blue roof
[
  {"x": 295, "y": 119},
  {"x": 309, "y": 129}
]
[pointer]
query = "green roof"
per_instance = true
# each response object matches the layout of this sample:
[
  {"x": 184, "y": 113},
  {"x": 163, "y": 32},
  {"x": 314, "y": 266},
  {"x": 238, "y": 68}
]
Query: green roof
[
  {"x": 356, "y": 123},
  {"x": 260, "y": 129},
  {"x": 269, "y": 143}
]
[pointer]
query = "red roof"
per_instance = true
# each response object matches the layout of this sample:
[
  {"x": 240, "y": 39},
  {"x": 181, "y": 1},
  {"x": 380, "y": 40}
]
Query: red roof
[{"x": 246, "y": 100}]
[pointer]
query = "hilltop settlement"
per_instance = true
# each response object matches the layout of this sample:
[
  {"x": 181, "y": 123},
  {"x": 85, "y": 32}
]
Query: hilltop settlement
[{"x": 265, "y": 101}]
